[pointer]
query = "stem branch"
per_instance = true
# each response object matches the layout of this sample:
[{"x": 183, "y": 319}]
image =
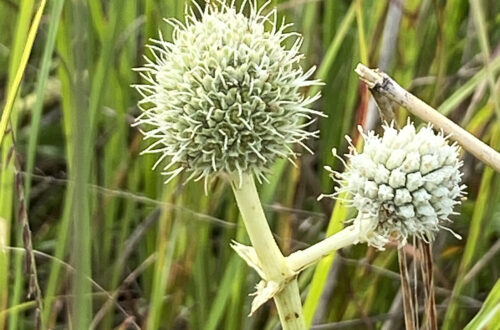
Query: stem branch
[
  {"x": 272, "y": 261},
  {"x": 302, "y": 259}
]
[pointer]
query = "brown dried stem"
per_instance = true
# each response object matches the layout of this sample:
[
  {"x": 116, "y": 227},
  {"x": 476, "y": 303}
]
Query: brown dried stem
[{"x": 384, "y": 88}]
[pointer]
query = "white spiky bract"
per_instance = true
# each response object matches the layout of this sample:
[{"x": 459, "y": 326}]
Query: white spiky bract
[
  {"x": 224, "y": 96},
  {"x": 404, "y": 183}
]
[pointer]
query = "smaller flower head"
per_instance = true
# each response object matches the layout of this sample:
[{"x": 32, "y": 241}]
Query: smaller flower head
[
  {"x": 225, "y": 95},
  {"x": 403, "y": 184}
]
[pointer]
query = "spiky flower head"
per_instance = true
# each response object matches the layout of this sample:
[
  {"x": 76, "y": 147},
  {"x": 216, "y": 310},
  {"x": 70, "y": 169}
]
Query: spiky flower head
[
  {"x": 224, "y": 95},
  {"x": 403, "y": 184}
]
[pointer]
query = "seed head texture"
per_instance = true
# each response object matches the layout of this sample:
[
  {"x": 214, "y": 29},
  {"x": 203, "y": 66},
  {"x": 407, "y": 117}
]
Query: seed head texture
[
  {"x": 405, "y": 183},
  {"x": 225, "y": 95}
]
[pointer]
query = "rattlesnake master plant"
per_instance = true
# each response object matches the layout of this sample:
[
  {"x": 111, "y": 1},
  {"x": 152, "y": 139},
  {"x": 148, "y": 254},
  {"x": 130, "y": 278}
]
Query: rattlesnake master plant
[
  {"x": 224, "y": 95},
  {"x": 403, "y": 184}
]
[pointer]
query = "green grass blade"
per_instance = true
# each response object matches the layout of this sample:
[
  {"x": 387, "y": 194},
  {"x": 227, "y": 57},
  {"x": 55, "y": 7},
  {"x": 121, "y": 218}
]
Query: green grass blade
[
  {"x": 81, "y": 132},
  {"x": 323, "y": 268},
  {"x": 55, "y": 16},
  {"x": 334, "y": 47},
  {"x": 7, "y": 171},
  {"x": 16, "y": 83},
  {"x": 166, "y": 248},
  {"x": 223, "y": 294},
  {"x": 480, "y": 220},
  {"x": 363, "y": 49},
  {"x": 479, "y": 20},
  {"x": 452, "y": 102},
  {"x": 488, "y": 316}
]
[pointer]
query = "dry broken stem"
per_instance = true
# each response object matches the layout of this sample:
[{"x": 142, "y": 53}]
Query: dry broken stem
[{"x": 381, "y": 84}]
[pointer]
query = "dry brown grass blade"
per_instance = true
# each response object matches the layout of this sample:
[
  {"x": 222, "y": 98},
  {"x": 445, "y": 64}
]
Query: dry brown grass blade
[
  {"x": 427, "y": 269},
  {"x": 30, "y": 263},
  {"x": 408, "y": 307}
]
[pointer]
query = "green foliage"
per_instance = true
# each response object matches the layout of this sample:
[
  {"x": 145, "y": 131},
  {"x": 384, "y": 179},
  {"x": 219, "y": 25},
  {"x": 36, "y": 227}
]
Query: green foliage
[{"x": 114, "y": 246}]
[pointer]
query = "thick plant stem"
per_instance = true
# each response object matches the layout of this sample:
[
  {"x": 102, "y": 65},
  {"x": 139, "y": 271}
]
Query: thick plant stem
[{"x": 272, "y": 261}]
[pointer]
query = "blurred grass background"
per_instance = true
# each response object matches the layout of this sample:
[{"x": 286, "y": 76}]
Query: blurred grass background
[{"x": 115, "y": 248}]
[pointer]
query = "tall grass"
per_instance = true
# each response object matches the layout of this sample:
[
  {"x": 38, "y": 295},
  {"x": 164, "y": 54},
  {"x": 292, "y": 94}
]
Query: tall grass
[{"x": 114, "y": 246}]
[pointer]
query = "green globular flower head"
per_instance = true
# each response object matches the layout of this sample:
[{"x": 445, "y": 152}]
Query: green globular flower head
[
  {"x": 225, "y": 95},
  {"x": 405, "y": 183}
]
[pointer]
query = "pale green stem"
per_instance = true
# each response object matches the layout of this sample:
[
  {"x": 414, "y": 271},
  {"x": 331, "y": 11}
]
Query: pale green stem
[
  {"x": 302, "y": 259},
  {"x": 272, "y": 261}
]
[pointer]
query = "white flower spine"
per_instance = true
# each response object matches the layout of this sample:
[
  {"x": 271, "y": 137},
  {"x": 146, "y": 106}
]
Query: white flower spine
[
  {"x": 225, "y": 94},
  {"x": 406, "y": 183}
]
